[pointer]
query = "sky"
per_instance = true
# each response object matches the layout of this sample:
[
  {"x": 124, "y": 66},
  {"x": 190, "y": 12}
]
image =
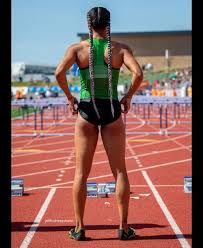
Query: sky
[{"x": 42, "y": 30}]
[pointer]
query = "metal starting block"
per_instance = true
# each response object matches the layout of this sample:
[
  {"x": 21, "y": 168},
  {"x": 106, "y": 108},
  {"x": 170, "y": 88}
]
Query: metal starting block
[
  {"x": 111, "y": 187},
  {"x": 100, "y": 189},
  {"x": 17, "y": 187},
  {"x": 91, "y": 189},
  {"x": 188, "y": 184}
]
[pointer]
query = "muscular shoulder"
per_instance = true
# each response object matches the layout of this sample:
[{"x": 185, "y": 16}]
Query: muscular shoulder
[
  {"x": 121, "y": 46},
  {"x": 78, "y": 46}
]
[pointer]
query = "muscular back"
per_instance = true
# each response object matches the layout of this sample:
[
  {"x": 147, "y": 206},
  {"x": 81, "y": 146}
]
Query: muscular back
[
  {"x": 82, "y": 54},
  {"x": 79, "y": 53}
]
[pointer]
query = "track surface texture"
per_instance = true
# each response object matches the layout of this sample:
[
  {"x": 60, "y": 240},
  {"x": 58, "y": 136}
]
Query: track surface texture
[{"x": 159, "y": 209}]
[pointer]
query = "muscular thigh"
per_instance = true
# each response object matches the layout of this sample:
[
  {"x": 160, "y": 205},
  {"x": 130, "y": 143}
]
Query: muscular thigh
[
  {"x": 86, "y": 136},
  {"x": 113, "y": 136}
]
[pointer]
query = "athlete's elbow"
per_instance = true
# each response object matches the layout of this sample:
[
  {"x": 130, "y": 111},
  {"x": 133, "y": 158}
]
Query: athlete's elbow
[
  {"x": 59, "y": 73},
  {"x": 138, "y": 75}
]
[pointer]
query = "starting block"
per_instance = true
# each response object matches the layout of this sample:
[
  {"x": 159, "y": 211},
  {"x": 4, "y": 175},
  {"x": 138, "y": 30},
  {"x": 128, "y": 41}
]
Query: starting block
[
  {"x": 111, "y": 187},
  {"x": 100, "y": 189},
  {"x": 91, "y": 189},
  {"x": 188, "y": 184},
  {"x": 17, "y": 187}
]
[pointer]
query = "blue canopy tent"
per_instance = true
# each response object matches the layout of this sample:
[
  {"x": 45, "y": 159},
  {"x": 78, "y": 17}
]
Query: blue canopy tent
[
  {"x": 76, "y": 89},
  {"x": 71, "y": 88},
  {"x": 32, "y": 89},
  {"x": 55, "y": 89},
  {"x": 60, "y": 90},
  {"x": 41, "y": 89}
]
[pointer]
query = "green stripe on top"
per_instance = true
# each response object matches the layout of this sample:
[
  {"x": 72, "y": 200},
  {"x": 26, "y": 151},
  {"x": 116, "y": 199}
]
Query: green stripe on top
[{"x": 101, "y": 85}]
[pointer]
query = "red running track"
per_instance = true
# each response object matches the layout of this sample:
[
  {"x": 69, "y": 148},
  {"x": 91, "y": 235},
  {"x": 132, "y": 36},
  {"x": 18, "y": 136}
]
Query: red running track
[{"x": 159, "y": 209}]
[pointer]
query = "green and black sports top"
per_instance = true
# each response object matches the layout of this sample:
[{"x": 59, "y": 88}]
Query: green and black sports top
[{"x": 101, "y": 86}]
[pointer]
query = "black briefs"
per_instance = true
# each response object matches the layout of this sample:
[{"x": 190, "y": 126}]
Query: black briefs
[{"x": 86, "y": 110}]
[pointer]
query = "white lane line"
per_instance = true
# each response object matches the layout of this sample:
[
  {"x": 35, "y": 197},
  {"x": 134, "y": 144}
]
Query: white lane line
[
  {"x": 111, "y": 175},
  {"x": 50, "y": 144},
  {"x": 163, "y": 151},
  {"x": 140, "y": 155},
  {"x": 181, "y": 145},
  {"x": 38, "y": 219},
  {"x": 58, "y": 179},
  {"x": 132, "y": 186},
  {"x": 145, "y": 194},
  {"x": 37, "y": 152},
  {"x": 166, "y": 212},
  {"x": 161, "y": 141},
  {"x": 135, "y": 197},
  {"x": 136, "y": 157},
  {"x": 163, "y": 207},
  {"x": 103, "y": 162},
  {"x": 44, "y": 172},
  {"x": 37, "y": 138},
  {"x": 175, "y": 140},
  {"x": 23, "y": 141},
  {"x": 39, "y": 161}
]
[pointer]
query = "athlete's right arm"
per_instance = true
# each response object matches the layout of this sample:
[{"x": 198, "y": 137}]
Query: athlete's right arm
[{"x": 68, "y": 60}]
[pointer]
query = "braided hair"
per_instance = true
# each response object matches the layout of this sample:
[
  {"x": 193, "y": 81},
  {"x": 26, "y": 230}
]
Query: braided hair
[{"x": 99, "y": 18}]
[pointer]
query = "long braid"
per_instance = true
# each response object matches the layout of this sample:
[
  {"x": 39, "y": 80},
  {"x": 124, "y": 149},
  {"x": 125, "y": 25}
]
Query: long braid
[
  {"x": 110, "y": 67},
  {"x": 91, "y": 65}
]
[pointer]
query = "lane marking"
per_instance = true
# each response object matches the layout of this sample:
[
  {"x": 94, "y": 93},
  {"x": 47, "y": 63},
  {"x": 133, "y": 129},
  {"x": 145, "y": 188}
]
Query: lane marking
[
  {"x": 38, "y": 219},
  {"x": 132, "y": 186},
  {"x": 181, "y": 145},
  {"x": 103, "y": 162},
  {"x": 37, "y": 138},
  {"x": 40, "y": 161},
  {"x": 136, "y": 156},
  {"x": 162, "y": 151},
  {"x": 163, "y": 207},
  {"x": 34, "y": 151},
  {"x": 162, "y": 141},
  {"x": 111, "y": 175},
  {"x": 166, "y": 212},
  {"x": 148, "y": 194},
  {"x": 135, "y": 197},
  {"x": 54, "y": 159},
  {"x": 44, "y": 172},
  {"x": 38, "y": 151},
  {"x": 143, "y": 140},
  {"x": 59, "y": 142}
]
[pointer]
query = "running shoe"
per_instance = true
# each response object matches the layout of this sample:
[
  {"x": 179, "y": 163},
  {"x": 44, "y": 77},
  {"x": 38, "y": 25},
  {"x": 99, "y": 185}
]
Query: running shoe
[
  {"x": 122, "y": 235},
  {"x": 79, "y": 235}
]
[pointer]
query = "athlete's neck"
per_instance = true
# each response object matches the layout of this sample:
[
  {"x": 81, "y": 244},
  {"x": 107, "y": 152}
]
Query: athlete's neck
[{"x": 101, "y": 34}]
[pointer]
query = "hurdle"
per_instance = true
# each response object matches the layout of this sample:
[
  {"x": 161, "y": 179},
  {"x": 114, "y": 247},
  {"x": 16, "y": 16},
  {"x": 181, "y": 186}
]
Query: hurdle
[{"x": 167, "y": 110}]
